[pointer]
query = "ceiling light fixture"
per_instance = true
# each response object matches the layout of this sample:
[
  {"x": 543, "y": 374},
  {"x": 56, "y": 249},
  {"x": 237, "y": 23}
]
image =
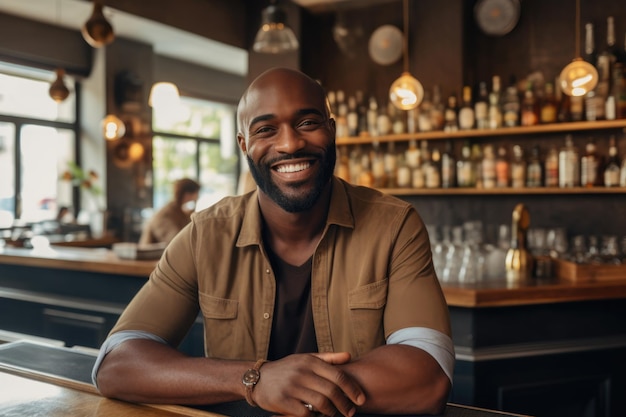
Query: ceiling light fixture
[
  {"x": 579, "y": 76},
  {"x": 164, "y": 94},
  {"x": 406, "y": 92},
  {"x": 58, "y": 90},
  {"x": 274, "y": 36},
  {"x": 97, "y": 30},
  {"x": 113, "y": 127}
]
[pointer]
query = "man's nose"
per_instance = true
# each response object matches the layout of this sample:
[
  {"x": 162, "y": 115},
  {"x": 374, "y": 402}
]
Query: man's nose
[{"x": 289, "y": 140}]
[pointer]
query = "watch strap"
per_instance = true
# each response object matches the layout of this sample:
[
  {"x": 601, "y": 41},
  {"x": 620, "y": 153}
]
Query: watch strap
[{"x": 250, "y": 388}]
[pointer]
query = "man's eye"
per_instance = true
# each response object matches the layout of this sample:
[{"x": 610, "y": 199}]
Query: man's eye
[{"x": 310, "y": 124}]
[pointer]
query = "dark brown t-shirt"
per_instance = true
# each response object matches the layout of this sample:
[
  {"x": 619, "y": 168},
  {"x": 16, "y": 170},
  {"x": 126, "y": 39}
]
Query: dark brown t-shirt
[{"x": 292, "y": 326}]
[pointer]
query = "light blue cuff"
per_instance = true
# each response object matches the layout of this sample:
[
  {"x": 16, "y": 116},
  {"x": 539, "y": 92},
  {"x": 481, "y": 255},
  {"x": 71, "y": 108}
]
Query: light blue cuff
[
  {"x": 117, "y": 339},
  {"x": 436, "y": 344}
]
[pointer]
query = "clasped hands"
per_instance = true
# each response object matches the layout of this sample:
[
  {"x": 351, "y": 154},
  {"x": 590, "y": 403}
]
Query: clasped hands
[{"x": 300, "y": 385}]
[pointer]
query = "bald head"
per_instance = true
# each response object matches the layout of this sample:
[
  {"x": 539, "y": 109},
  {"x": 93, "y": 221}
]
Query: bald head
[{"x": 278, "y": 84}]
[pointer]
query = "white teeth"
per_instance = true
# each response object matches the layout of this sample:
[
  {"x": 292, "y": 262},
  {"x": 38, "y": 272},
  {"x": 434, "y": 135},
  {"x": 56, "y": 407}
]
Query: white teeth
[{"x": 293, "y": 167}]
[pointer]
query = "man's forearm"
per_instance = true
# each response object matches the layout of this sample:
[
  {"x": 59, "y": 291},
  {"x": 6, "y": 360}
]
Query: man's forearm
[
  {"x": 400, "y": 379},
  {"x": 147, "y": 371}
]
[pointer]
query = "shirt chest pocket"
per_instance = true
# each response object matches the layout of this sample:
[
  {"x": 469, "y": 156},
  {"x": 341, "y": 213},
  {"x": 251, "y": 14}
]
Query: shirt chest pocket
[
  {"x": 220, "y": 332},
  {"x": 367, "y": 306}
]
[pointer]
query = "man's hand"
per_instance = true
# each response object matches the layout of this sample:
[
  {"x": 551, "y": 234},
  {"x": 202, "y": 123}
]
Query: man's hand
[{"x": 288, "y": 384}]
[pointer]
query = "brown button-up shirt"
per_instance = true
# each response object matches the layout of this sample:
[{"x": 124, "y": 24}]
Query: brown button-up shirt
[{"x": 372, "y": 275}]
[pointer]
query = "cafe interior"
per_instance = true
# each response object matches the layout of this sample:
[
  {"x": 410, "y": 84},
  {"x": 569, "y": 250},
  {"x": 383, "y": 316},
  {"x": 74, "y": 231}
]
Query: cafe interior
[{"x": 104, "y": 104}]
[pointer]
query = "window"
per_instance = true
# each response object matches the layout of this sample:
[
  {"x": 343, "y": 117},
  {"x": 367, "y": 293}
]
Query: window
[
  {"x": 37, "y": 140},
  {"x": 197, "y": 141}
]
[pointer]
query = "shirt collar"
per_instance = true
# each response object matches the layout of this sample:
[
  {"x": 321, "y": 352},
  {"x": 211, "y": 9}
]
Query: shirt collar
[{"x": 339, "y": 213}]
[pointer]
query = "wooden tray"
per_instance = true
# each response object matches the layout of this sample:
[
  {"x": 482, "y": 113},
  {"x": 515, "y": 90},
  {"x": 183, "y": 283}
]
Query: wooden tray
[{"x": 588, "y": 272}]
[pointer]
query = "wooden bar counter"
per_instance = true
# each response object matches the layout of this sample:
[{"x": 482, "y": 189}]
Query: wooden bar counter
[{"x": 549, "y": 347}]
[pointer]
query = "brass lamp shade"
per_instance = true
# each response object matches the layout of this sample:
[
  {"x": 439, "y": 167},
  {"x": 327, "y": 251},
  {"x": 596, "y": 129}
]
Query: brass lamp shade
[
  {"x": 58, "y": 90},
  {"x": 97, "y": 31}
]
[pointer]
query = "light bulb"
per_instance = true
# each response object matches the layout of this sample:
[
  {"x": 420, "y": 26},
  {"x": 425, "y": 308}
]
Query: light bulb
[
  {"x": 112, "y": 127},
  {"x": 578, "y": 78},
  {"x": 406, "y": 92},
  {"x": 58, "y": 90}
]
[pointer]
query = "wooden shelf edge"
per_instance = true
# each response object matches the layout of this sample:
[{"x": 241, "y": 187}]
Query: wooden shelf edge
[
  {"x": 474, "y": 133},
  {"x": 502, "y": 191}
]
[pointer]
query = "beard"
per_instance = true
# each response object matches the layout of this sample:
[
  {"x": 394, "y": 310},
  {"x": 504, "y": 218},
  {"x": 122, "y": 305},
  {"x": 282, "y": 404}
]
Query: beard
[{"x": 294, "y": 202}]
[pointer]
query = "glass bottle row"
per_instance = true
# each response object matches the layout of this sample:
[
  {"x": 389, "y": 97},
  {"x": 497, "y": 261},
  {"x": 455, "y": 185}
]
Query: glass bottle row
[{"x": 481, "y": 166}]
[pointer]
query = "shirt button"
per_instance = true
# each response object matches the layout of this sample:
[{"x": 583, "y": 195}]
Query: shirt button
[
  {"x": 266, "y": 315},
  {"x": 267, "y": 271}
]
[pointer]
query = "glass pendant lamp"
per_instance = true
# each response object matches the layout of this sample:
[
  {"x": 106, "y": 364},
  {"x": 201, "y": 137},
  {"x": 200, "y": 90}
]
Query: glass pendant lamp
[
  {"x": 58, "y": 90},
  {"x": 578, "y": 77},
  {"x": 406, "y": 92},
  {"x": 274, "y": 36}
]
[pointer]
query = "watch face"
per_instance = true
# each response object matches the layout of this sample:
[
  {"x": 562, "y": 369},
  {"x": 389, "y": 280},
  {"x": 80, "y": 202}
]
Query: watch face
[
  {"x": 497, "y": 17},
  {"x": 251, "y": 377}
]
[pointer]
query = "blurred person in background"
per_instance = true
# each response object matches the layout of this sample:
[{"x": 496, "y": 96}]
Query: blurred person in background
[{"x": 175, "y": 215}]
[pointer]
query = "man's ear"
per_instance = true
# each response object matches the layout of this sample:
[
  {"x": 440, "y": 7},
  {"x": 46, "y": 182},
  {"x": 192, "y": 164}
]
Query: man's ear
[{"x": 241, "y": 141}]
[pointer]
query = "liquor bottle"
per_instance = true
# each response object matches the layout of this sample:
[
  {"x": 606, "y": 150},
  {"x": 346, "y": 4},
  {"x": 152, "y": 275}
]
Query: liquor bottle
[
  {"x": 481, "y": 106},
  {"x": 450, "y": 116},
  {"x": 383, "y": 123},
  {"x": 552, "y": 167},
  {"x": 530, "y": 110},
  {"x": 404, "y": 173},
  {"x": 361, "y": 109},
  {"x": 595, "y": 105},
  {"x": 356, "y": 164},
  {"x": 352, "y": 117},
  {"x": 511, "y": 107},
  {"x": 612, "y": 167},
  {"x": 377, "y": 159},
  {"x": 366, "y": 177},
  {"x": 549, "y": 106},
  {"x": 502, "y": 168},
  {"x": 589, "y": 165},
  {"x": 448, "y": 166},
  {"x": 622, "y": 174},
  {"x": 391, "y": 166},
  {"x": 477, "y": 164},
  {"x": 488, "y": 167},
  {"x": 569, "y": 164},
  {"x": 424, "y": 121},
  {"x": 590, "y": 45},
  {"x": 534, "y": 169},
  {"x": 342, "y": 169},
  {"x": 465, "y": 172},
  {"x": 518, "y": 168},
  {"x": 341, "y": 123},
  {"x": 437, "y": 110},
  {"x": 372, "y": 116},
  {"x": 411, "y": 120},
  {"x": 412, "y": 154},
  {"x": 396, "y": 116},
  {"x": 619, "y": 90},
  {"x": 576, "y": 108},
  {"x": 563, "y": 104},
  {"x": 332, "y": 103},
  {"x": 494, "y": 112},
  {"x": 605, "y": 60},
  {"x": 467, "y": 119},
  {"x": 432, "y": 172}
]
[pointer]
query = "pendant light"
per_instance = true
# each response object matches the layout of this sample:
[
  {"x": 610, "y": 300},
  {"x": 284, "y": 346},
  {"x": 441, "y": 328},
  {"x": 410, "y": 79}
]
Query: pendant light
[
  {"x": 97, "y": 30},
  {"x": 113, "y": 127},
  {"x": 406, "y": 92},
  {"x": 58, "y": 90},
  {"x": 578, "y": 77},
  {"x": 274, "y": 36},
  {"x": 164, "y": 95}
]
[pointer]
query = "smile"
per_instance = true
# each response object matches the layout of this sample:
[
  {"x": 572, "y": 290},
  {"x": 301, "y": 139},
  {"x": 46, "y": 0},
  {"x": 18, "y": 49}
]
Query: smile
[{"x": 288, "y": 168}]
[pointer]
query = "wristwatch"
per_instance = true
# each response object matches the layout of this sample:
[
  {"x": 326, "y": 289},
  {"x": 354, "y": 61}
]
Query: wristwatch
[{"x": 250, "y": 379}]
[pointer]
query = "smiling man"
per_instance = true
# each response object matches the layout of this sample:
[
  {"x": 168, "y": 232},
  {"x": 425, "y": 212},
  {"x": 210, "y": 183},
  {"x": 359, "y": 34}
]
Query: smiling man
[{"x": 318, "y": 297}]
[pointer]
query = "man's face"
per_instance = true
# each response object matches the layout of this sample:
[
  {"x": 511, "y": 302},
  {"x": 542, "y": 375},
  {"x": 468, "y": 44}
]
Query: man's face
[{"x": 289, "y": 140}]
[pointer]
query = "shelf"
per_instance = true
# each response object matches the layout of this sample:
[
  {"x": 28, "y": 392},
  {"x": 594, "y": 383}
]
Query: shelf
[
  {"x": 503, "y": 191},
  {"x": 474, "y": 133}
]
